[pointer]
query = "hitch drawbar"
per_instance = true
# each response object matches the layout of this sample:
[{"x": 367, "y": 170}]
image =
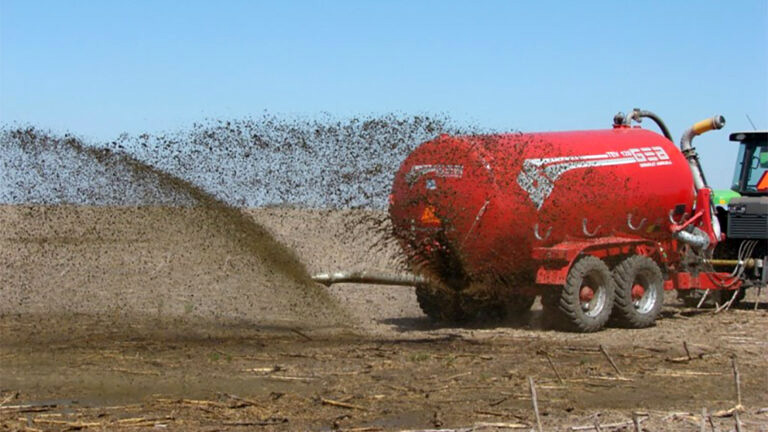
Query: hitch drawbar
[{"x": 370, "y": 277}]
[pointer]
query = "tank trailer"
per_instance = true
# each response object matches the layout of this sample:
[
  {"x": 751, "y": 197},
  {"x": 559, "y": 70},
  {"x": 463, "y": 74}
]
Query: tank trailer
[{"x": 598, "y": 223}]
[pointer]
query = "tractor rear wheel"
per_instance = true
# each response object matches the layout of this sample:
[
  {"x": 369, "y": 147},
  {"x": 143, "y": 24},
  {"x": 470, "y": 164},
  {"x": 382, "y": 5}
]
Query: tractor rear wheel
[
  {"x": 584, "y": 303},
  {"x": 639, "y": 292}
]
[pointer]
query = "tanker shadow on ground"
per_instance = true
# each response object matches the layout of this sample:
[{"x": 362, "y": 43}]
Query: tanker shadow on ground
[
  {"x": 751, "y": 305},
  {"x": 683, "y": 311},
  {"x": 536, "y": 320},
  {"x": 533, "y": 320}
]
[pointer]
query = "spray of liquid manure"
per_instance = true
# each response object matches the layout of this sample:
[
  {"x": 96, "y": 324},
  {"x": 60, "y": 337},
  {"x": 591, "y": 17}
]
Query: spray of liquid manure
[{"x": 202, "y": 223}]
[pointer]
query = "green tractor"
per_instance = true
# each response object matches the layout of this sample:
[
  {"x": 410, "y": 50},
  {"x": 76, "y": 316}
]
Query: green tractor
[
  {"x": 744, "y": 208},
  {"x": 749, "y": 177},
  {"x": 743, "y": 213}
]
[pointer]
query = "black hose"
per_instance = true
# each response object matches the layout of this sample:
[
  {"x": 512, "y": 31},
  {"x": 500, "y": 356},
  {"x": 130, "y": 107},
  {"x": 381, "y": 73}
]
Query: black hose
[
  {"x": 659, "y": 122},
  {"x": 637, "y": 114}
]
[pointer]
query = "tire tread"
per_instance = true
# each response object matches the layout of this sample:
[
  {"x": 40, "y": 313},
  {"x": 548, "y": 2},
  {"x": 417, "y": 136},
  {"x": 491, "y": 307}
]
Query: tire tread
[
  {"x": 568, "y": 304},
  {"x": 624, "y": 312}
]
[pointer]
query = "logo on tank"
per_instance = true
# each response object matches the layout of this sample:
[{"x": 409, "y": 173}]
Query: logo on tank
[
  {"x": 417, "y": 171},
  {"x": 538, "y": 176}
]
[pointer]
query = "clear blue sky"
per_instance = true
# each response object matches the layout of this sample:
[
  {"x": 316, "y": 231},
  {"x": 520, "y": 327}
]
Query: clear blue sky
[{"x": 99, "y": 68}]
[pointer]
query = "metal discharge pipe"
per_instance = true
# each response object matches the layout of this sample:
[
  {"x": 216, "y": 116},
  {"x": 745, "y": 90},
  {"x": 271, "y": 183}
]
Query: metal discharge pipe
[
  {"x": 369, "y": 277},
  {"x": 695, "y": 237}
]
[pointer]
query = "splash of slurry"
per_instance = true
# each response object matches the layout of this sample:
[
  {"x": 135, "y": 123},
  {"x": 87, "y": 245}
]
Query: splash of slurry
[
  {"x": 223, "y": 163},
  {"x": 232, "y": 221}
]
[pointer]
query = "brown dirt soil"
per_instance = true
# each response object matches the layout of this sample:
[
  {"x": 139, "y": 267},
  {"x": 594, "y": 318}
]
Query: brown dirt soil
[{"x": 147, "y": 318}]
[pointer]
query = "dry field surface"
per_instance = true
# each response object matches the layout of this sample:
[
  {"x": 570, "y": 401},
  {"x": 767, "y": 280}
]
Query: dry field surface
[{"x": 156, "y": 318}]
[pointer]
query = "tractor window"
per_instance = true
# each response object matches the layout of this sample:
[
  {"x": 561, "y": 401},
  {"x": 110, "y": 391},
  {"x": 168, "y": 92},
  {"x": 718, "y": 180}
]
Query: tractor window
[
  {"x": 755, "y": 157},
  {"x": 758, "y": 164},
  {"x": 735, "y": 186},
  {"x": 762, "y": 158}
]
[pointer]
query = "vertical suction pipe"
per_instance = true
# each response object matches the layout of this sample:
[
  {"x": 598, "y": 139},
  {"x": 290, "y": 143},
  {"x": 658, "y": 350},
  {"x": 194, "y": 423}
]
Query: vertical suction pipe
[
  {"x": 699, "y": 181},
  {"x": 716, "y": 122}
]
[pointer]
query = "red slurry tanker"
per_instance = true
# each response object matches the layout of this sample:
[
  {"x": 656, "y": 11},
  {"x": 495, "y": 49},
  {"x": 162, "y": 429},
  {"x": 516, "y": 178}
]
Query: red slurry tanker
[{"x": 598, "y": 223}]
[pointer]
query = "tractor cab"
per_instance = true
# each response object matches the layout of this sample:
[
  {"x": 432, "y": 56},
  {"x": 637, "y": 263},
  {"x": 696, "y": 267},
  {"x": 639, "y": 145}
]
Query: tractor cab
[
  {"x": 751, "y": 174},
  {"x": 748, "y": 214}
]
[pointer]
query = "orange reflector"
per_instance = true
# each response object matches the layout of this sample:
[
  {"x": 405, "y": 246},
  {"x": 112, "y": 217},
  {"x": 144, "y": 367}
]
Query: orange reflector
[
  {"x": 763, "y": 183},
  {"x": 428, "y": 216}
]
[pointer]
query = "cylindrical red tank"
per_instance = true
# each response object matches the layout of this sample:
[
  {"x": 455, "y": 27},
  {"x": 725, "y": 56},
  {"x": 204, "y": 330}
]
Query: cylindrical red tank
[{"x": 469, "y": 206}]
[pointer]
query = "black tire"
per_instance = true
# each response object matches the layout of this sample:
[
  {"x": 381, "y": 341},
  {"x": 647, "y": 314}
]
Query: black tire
[
  {"x": 641, "y": 308},
  {"x": 574, "y": 313}
]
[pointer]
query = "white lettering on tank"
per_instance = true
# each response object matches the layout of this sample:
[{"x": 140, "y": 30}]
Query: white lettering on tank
[
  {"x": 538, "y": 176},
  {"x": 454, "y": 171}
]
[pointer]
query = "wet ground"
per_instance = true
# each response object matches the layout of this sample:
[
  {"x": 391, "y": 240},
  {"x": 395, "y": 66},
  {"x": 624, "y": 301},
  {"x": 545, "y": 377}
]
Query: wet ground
[
  {"x": 107, "y": 326},
  {"x": 416, "y": 377}
]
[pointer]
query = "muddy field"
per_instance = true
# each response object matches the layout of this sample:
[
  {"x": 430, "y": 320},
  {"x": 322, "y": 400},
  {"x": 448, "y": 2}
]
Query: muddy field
[{"x": 170, "y": 318}]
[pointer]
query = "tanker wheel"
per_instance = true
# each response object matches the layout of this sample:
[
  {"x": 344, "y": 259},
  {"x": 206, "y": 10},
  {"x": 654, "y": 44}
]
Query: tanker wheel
[
  {"x": 639, "y": 292},
  {"x": 584, "y": 303},
  {"x": 440, "y": 305}
]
